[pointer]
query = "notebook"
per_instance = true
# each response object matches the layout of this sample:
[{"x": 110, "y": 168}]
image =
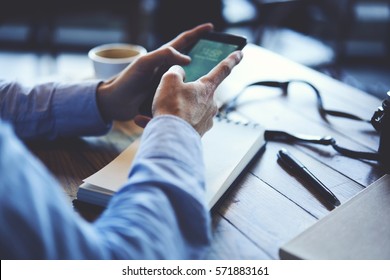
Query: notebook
[
  {"x": 227, "y": 149},
  {"x": 358, "y": 229}
]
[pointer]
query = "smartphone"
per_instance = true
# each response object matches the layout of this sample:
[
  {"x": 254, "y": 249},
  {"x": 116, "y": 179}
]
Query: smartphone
[
  {"x": 211, "y": 49},
  {"x": 205, "y": 54}
]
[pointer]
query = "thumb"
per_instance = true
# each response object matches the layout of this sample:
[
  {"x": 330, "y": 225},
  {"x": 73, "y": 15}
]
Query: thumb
[{"x": 141, "y": 120}]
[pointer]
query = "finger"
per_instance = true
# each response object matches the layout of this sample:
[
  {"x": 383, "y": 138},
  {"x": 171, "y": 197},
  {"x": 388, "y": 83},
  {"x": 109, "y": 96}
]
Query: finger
[
  {"x": 176, "y": 72},
  {"x": 188, "y": 38},
  {"x": 215, "y": 77},
  {"x": 141, "y": 120}
]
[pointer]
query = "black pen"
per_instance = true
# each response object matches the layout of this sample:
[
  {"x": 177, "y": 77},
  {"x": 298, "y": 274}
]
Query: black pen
[{"x": 294, "y": 165}]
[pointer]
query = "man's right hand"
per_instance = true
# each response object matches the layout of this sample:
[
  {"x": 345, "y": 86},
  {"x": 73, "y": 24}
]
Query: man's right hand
[{"x": 194, "y": 102}]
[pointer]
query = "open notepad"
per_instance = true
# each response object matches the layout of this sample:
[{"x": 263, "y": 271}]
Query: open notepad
[{"x": 227, "y": 148}]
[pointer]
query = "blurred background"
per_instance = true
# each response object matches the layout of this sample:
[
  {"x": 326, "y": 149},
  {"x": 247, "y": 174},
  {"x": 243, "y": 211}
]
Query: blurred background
[{"x": 346, "y": 39}]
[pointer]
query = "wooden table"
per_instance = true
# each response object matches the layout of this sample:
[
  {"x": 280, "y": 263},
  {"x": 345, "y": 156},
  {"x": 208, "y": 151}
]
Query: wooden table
[{"x": 268, "y": 206}]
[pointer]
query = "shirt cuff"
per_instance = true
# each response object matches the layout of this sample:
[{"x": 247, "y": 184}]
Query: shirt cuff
[
  {"x": 76, "y": 110},
  {"x": 170, "y": 137}
]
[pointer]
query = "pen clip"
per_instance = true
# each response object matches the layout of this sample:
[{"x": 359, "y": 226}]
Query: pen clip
[{"x": 289, "y": 161}]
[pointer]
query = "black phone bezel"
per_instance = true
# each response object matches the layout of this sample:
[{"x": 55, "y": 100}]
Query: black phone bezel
[{"x": 226, "y": 38}]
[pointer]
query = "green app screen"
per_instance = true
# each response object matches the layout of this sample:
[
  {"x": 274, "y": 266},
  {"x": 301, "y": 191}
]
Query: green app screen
[{"x": 205, "y": 56}]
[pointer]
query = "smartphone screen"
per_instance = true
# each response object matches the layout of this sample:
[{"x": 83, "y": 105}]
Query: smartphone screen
[{"x": 205, "y": 55}]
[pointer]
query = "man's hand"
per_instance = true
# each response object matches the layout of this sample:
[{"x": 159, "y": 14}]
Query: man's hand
[
  {"x": 194, "y": 101},
  {"x": 121, "y": 97}
]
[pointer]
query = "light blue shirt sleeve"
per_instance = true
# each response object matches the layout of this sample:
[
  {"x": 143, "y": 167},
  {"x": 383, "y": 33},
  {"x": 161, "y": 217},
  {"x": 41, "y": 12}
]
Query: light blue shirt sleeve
[
  {"x": 51, "y": 110},
  {"x": 160, "y": 213}
]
